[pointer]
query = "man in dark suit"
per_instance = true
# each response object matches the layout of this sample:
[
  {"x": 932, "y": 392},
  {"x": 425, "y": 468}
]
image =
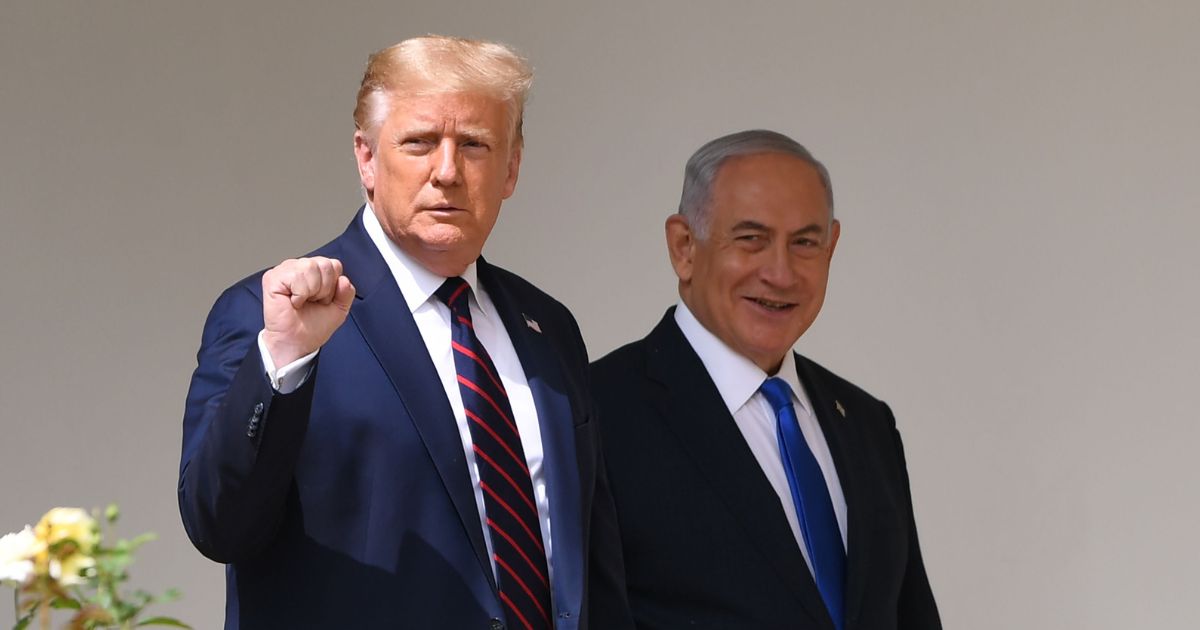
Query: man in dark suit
[
  {"x": 391, "y": 432},
  {"x": 754, "y": 488}
]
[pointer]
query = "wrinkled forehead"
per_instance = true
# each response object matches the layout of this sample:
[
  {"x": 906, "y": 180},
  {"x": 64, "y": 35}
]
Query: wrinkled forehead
[{"x": 479, "y": 106}]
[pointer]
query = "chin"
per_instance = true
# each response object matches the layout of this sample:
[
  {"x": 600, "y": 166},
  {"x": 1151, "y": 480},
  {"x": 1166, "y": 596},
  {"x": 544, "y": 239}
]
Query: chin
[{"x": 444, "y": 238}]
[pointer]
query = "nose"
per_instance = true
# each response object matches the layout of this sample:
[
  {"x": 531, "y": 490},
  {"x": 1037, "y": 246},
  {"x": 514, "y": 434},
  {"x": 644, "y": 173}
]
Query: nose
[
  {"x": 445, "y": 164},
  {"x": 777, "y": 267}
]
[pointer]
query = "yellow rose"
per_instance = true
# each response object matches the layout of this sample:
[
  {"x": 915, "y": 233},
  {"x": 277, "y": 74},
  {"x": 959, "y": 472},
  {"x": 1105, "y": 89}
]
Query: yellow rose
[
  {"x": 62, "y": 524},
  {"x": 69, "y": 536},
  {"x": 67, "y": 570}
]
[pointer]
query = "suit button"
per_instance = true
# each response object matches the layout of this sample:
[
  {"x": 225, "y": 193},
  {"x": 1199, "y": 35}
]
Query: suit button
[
  {"x": 496, "y": 624},
  {"x": 252, "y": 425}
]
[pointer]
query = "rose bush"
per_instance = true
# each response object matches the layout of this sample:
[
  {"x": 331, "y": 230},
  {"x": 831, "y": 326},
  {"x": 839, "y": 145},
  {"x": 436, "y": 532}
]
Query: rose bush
[{"x": 62, "y": 563}]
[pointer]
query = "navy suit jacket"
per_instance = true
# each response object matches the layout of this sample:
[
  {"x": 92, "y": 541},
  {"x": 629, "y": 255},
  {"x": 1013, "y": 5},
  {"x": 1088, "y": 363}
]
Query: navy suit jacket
[
  {"x": 705, "y": 538},
  {"x": 347, "y": 503}
]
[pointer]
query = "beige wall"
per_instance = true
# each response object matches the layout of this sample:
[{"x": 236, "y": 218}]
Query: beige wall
[{"x": 1017, "y": 273}]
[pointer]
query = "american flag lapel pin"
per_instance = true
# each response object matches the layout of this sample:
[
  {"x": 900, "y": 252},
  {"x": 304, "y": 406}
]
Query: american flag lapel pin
[
  {"x": 532, "y": 323},
  {"x": 840, "y": 408}
]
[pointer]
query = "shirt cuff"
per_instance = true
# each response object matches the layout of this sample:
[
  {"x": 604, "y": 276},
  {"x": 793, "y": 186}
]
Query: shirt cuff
[{"x": 290, "y": 377}]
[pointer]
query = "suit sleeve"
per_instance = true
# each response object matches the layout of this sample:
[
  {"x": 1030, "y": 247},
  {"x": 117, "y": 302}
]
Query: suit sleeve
[
  {"x": 917, "y": 609},
  {"x": 608, "y": 600},
  {"x": 241, "y": 439}
]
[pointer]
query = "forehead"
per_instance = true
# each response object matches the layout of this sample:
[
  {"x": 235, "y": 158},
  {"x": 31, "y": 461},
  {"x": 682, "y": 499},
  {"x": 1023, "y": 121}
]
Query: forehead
[
  {"x": 476, "y": 110},
  {"x": 775, "y": 189}
]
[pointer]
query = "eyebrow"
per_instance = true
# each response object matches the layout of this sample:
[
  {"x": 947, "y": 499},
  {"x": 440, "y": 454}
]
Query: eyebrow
[
  {"x": 419, "y": 129},
  {"x": 811, "y": 228}
]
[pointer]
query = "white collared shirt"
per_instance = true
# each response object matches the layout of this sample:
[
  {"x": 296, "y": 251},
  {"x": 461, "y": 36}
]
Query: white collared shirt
[
  {"x": 737, "y": 379},
  {"x": 432, "y": 317}
]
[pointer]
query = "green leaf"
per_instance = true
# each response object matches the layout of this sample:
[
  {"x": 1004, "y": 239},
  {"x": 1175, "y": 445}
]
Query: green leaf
[
  {"x": 60, "y": 603},
  {"x": 138, "y": 541},
  {"x": 163, "y": 621},
  {"x": 23, "y": 623}
]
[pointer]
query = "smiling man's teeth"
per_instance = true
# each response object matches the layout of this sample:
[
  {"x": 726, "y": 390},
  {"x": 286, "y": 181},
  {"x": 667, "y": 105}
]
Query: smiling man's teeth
[{"x": 778, "y": 306}]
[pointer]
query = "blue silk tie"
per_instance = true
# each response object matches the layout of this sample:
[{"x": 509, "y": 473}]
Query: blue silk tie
[
  {"x": 814, "y": 508},
  {"x": 508, "y": 501}
]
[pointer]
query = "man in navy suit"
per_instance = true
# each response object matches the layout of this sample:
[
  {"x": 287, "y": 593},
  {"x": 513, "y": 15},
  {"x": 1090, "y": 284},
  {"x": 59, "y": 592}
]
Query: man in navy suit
[
  {"x": 755, "y": 489},
  {"x": 391, "y": 432}
]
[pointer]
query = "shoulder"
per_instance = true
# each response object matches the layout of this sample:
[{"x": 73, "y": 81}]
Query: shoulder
[
  {"x": 240, "y": 303},
  {"x": 662, "y": 355},
  {"x": 519, "y": 287},
  {"x": 542, "y": 310},
  {"x": 248, "y": 290},
  {"x": 832, "y": 380},
  {"x": 621, "y": 364},
  {"x": 815, "y": 375}
]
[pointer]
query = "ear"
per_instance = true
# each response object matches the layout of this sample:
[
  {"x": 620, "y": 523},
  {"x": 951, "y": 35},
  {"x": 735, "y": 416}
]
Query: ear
[
  {"x": 681, "y": 245},
  {"x": 365, "y": 158},
  {"x": 514, "y": 167},
  {"x": 835, "y": 231}
]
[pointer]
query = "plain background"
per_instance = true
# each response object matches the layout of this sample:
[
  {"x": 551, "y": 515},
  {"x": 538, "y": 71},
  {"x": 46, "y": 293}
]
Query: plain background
[{"x": 1017, "y": 273}]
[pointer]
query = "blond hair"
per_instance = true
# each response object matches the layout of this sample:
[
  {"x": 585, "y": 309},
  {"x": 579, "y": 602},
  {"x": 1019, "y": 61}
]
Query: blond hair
[{"x": 438, "y": 64}]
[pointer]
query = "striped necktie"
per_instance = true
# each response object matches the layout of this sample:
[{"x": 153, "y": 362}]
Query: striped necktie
[
  {"x": 818, "y": 523},
  {"x": 518, "y": 552}
]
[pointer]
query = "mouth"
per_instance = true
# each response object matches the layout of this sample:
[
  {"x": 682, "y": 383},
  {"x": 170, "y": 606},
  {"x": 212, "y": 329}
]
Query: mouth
[
  {"x": 443, "y": 207},
  {"x": 772, "y": 305}
]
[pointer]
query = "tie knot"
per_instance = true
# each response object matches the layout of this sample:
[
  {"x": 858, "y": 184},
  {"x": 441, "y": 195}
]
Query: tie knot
[
  {"x": 778, "y": 393},
  {"x": 453, "y": 292}
]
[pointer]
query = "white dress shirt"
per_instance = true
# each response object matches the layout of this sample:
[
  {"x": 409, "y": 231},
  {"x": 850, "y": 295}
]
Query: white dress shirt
[
  {"x": 737, "y": 379},
  {"x": 432, "y": 317}
]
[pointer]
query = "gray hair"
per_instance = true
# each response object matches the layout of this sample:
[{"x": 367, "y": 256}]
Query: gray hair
[{"x": 702, "y": 168}]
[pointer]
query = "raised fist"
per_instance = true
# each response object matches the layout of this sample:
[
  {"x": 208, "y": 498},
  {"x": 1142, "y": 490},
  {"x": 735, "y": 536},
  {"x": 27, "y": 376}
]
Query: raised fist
[{"x": 304, "y": 301}]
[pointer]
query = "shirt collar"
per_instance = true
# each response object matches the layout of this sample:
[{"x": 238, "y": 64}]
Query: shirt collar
[
  {"x": 417, "y": 284},
  {"x": 737, "y": 378}
]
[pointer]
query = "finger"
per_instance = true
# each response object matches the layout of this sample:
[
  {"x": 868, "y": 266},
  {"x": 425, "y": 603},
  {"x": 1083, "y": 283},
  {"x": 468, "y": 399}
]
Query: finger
[
  {"x": 344, "y": 296},
  {"x": 328, "y": 280},
  {"x": 273, "y": 280},
  {"x": 279, "y": 282},
  {"x": 314, "y": 275},
  {"x": 303, "y": 282}
]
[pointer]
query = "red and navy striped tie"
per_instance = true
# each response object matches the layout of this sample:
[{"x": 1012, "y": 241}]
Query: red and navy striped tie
[{"x": 518, "y": 551}]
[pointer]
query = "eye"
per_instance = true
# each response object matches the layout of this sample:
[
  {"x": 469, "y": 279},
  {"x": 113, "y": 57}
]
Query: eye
[
  {"x": 750, "y": 241},
  {"x": 414, "y": 144}
]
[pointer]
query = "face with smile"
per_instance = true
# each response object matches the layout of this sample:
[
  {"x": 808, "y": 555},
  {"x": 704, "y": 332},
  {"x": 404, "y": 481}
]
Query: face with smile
[
  {"x": 436, "y": 177},
  {"x": 757, "y": 280}
]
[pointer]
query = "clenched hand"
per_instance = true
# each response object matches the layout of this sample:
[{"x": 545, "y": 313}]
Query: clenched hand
[{"x": 304, "y": 302}]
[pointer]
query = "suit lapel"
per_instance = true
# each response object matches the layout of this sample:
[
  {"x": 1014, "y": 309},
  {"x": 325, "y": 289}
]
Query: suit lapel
[
  {"x": 838, "y": 434},
  {"x": 544, "y": 372},
  {"x": 383, "y": 318},
  {"x": 694, "y": 411}
]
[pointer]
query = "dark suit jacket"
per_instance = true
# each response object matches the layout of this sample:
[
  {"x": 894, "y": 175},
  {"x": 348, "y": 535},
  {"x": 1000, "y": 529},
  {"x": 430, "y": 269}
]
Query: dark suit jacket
[
  {"x": 706, "y": 542},
  {"x": 347, "y": 503}
]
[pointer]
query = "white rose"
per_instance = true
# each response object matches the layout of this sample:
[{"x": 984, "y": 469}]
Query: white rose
[{"x": 17, "y": 551}]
